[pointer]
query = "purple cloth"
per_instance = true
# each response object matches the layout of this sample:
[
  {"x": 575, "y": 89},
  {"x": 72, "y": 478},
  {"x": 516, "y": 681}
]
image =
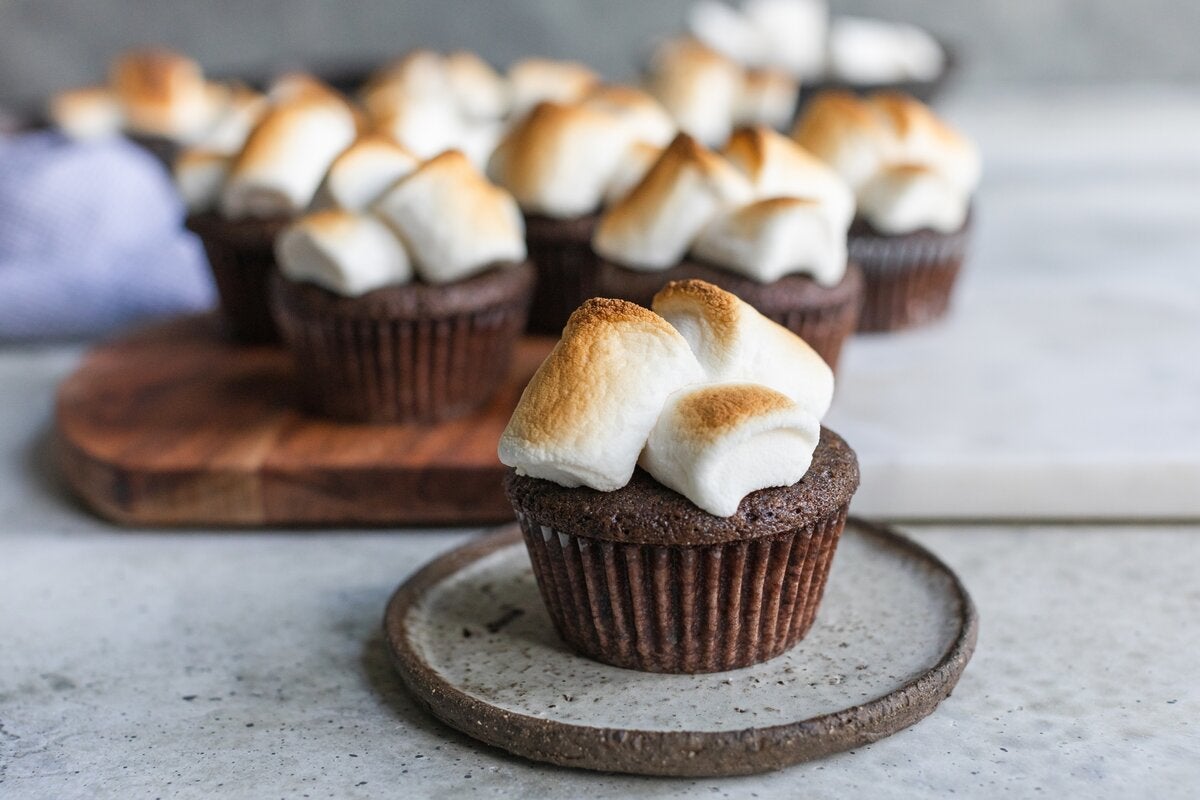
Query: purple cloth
[{"x": 90, "y": 239}]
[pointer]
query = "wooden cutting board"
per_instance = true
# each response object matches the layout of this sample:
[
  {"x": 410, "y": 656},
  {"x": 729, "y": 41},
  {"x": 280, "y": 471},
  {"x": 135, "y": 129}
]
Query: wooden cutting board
[{"x": 174, "y": 425}]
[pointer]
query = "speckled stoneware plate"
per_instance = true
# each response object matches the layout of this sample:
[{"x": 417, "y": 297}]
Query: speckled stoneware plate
[{"x": 471, "y": 638}]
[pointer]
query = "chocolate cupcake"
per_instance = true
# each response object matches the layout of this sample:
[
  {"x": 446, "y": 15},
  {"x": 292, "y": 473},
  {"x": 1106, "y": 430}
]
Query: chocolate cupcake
[
  {"x": 239, "y": 201},
  {"x": 409, "y": 311},
  {"x": 914, "y": 177},
  {"x": 682, "y": 515},
  {"x": 763, "y": 219},
  {"x": 561, "y": 162}
]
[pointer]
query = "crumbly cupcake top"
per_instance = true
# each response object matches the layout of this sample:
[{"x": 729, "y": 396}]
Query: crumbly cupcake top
[
  {"x": 711, "y": 398},
  {"x": 763, "y": 207},
  {"x": 909, "y": 169}
]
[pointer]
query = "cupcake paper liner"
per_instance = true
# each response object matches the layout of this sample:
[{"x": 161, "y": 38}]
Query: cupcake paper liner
[
  {"x": 825, "y": 317},
  {"x": 242, "y": 257},
  {"x": 909, "y": 279},
  {"x": 561, "y": 251},
  {"x": 368, "y": 369},
  {"x": 683, "y": 609}
]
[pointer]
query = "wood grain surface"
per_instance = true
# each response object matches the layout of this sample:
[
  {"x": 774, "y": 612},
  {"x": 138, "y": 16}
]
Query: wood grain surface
[{"x": 174, "y": 425}]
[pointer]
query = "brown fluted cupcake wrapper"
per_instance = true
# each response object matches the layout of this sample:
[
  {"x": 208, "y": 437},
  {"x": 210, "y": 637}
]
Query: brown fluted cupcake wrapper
[
  {"x": 825, "y": 328},
  {"x": 566, "y": 273},
  {"x": 241, "y": 267},
  {"x": 908, "y": 279},
  {"x": 401, "y": 370},
  {"x": 683, "y": 609}
]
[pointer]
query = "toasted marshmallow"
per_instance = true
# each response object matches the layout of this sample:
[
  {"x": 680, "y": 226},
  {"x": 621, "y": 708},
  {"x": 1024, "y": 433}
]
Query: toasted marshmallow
[
  {"x": 286, "y": 156},
  {"x": 200, "y": 175},
  {"x": 645, "y": 117},
  {"x": 163, "y": 93},
  {"x": 481, "y": 92},
  {"x": 652, "y": 227},
  {"x": 244, "y": 109},
  {"x": 778, "y": 167},
  {"x": 698, "y": 86},
  {"x": 872, "y": 51},
  {"x": 558, "y": 160},
  {"x": 771, "y": 238},
  {"x": 588, "y": 410},
  {"x": 421, "y": 75},
  {"x": 343, "y": 251},
  {"x": 768, "y": 96},
  {"x": 534, "y": 80},
  {"x": 908, "y": 197},
  {"x": 631, "y": 170},
  {"x": 735, "y": 343},
  {"x": 716, "y": 443},
  {"x": 480, "y": 139},
  {"x": 424, "y": 125},
  {"x": 922, "y": 138},
  {"x": 89, "y": 113},
  {"x": 364, "y": 171},
  {"x": 847, "y": 134},
  {"x": 452, "y": 220}
]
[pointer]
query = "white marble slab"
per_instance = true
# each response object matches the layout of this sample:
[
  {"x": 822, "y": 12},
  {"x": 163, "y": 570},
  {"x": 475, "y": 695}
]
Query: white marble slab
[{"x": 1066, "y": 382}]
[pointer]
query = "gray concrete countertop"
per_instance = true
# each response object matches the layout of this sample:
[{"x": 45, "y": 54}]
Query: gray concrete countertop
[{"x": 250, "y": 664}]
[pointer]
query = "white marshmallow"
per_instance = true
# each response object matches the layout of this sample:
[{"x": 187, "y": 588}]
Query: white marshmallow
[
  {"x": 631, "y": 170},
  {"x": 873, "y": 51},
  {"x": 482, "y": 94},
  {"x": 652, "y": 227},
  {"x": 735, "y": 343},
  {"x": 534, "y": 80},
  {"x": 778, "y": 167},
  {"x": 364, "y": 171},
  {"x": 588, "y": 410},
  {"x": 89, "y": 113},
  {"x": 772, "y": 238},
  {"x": 453, "y": 222},
  {"x": 730, "y": 33},
  {"x": 347, "y": 253},
  {"x": 558, "y": 160},
  {"x": 643, "y": 116},
  {"x": 479, "y": 141},
  {"x": 199, "y": 176},
  {"x": 716, "y": 443},
  {"x": 792, "y": 33},
  {"x": 285, "y": 158},
  {"x": 235, "y": 122},
  {"x": 768, "y": 97},
  {"x": 920, "y": 137},
  {"x": 698, "y": 86},
  {"x": 906, "y": 198},
  {"x": 424, "y": 125},
  {"x": 848, "y": 134}
]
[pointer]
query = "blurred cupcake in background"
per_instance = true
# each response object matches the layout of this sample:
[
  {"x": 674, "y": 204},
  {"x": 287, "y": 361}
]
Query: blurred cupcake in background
[
  {"x": 709, "y": 94},
  {"x": 762, "y": 219},
  {"x": 404, "y": 303},
  {"x": 260, "y": 168},
  {"x": 159, "y": 98},
  {"x": 914, "y": 177},
  {"x": 562, "y": 161}
]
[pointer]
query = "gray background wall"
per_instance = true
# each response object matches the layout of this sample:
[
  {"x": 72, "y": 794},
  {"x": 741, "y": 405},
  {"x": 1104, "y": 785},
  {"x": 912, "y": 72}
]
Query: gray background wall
[{"x": 47, "y": 44}]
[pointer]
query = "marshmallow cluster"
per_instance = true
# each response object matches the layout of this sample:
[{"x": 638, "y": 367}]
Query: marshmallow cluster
[
  {"x": 709, "y": 94},
  {"x": 152, "y": 92},
  {"x": 707, "y": 395},
  {"x": 763, "y": 208},
  {"x": 270, "y": 154},
  {"x": 799, "y": 38},
  {"x": 909, "y": 169},
  {"x": 440, "y": 221},
  {"x": 564, "y": 159}
]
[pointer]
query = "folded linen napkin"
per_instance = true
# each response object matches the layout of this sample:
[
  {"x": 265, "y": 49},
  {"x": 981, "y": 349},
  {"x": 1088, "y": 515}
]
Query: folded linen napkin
[{"x": 90, "y": 239}]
